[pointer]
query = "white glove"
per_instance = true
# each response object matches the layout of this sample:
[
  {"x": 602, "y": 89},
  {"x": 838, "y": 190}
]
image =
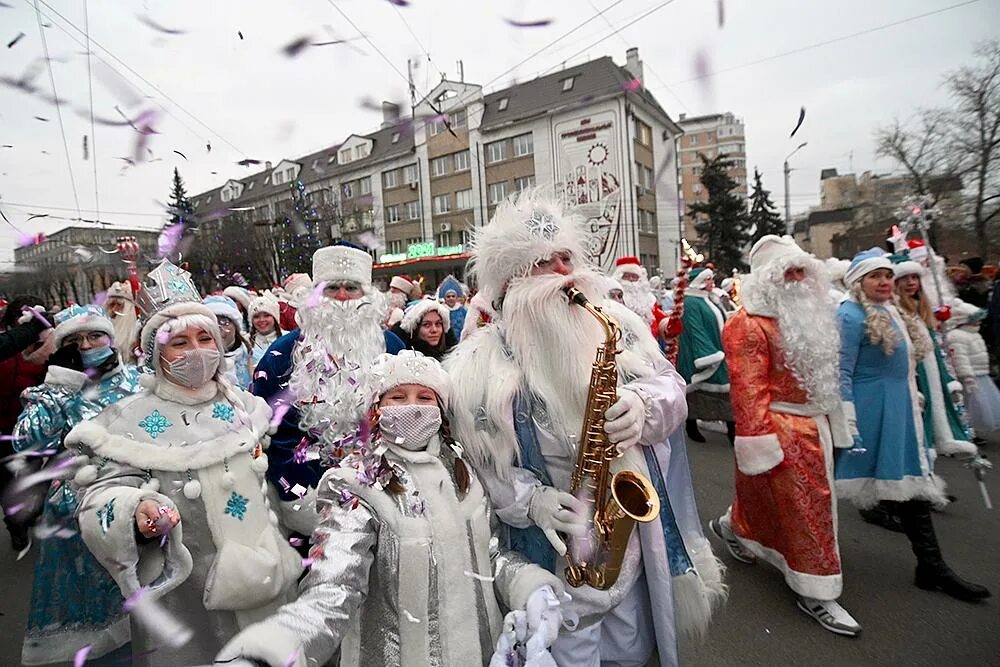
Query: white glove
[
  {"x": 544, "y": 618},
  {"x": 970, "y": 385},
  {"x": 515, "y": 629},
  {"x": 258, "y": 644},
  {"x": 625, "y": 420},
  {"x": 852, "y": 419},
  {"x": 555, "y": 512}
]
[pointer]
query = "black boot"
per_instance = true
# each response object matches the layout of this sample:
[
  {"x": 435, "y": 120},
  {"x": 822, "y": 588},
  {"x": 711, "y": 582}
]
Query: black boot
[
  {"x": 932, "y": 572},
  {"x": 731, "y": 433},
  {"x": 694, "y": 435},
  {"x": 883, "y": 515}
]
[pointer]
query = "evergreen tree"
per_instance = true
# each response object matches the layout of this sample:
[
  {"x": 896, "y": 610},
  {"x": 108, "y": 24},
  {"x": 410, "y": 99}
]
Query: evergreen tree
[
  {"x": 764, "y": 217},
  {"x": 721, "y": 222},
  {"x": 180, "y": 205},
  {"x": 299, "y": 234}
]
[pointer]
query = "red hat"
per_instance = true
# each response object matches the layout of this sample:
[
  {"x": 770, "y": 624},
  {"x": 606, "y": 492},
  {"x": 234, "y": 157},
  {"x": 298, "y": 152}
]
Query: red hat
[
  {"x": 915, "y": 243},
  {"x": 622, "y": 261}
]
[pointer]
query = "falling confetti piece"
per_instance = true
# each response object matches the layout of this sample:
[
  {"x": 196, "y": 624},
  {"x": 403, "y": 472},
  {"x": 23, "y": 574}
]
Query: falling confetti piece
[
  {"x": 410, "y": 617},
  {"x": 295, "y": 47},
  {"x": 802, "y": 117},
  {"x": 240, "y": 33},
  {"x": 307, "y": 563},
  {"x": 247, "y": 162},
  {"x": 722, "y": 13},
  {"x": 400, "y": 3},
  {"x": 295, "y": 541},
  {"x": 540, "y": 23},
  {"x": 14, "y": 41},
  {"x": 181, "y": 154},
  {"x": 44, "y": 120},
  {"x": 164, "y": 627},
  {"x": 159, "y": 28},
  {"x": 208, "y": 146},
  {"x": 81, "y": 656},
  {"x": 633, "y": 86},
  {"x": 86, "y": 149}
]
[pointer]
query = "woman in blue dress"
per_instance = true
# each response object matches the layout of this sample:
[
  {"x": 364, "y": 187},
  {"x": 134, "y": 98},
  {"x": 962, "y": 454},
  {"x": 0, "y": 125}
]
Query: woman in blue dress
[
  {"x": 889, "y": 461},
  {"x": 74, "y": 601}
]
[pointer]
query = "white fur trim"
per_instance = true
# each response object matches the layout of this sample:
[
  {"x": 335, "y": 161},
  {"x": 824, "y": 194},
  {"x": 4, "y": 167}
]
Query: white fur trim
[
  {"x": 700, "y": 279},
  {"x": 401, "y": 283},
  {"x": 756, "y": 454},
  {"x": 712, "y": 360},
  {"x": 416, "y": 311},
  {"x": 866, "y": 492},
  {"x": 697, "y": 593},
  {"x": 818, "y": 586},
  {"x": 908, "y": 268},
  {"x": 161, "y": 317},
  {"x": 265, "y": 303},
  {"x": 857, "y": 271},
  {"x": 771, "y": 247},
  {"x": 84, "y": 323},
  {"x": 410, "y": 367},
  {"x": 65, "y": 377},
  {"x": 342, "y": 263}
]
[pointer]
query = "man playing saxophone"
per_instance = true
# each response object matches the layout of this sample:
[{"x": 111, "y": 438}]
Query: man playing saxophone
[{"x": 522, "y": 386}]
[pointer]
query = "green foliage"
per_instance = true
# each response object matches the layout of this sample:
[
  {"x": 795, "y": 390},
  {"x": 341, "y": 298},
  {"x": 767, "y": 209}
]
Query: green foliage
[
  {"x": 721, "y": 222},
  {"x": 764, "y": 218}
]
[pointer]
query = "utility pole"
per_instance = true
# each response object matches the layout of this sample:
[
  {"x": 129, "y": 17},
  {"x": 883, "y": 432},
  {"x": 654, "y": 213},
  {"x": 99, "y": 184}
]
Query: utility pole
[{"x": 788, "y": 197}]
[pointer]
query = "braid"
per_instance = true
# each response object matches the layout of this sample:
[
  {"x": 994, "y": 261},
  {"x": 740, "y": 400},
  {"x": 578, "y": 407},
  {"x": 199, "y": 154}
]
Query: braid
[{"x": 878, "y": 326}]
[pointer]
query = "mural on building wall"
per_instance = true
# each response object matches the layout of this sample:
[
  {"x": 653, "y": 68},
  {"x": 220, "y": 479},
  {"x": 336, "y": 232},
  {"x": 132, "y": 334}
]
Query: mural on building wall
[{"x": 588, "y": 179}]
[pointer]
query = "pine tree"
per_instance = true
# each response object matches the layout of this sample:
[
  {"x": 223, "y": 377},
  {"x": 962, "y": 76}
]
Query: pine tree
[
  {"x": 764, "y": 218},
  {"x": 180, "y": 205},
  {"x": 721, "y": 222},
  {"x": 300, "y": 233}
]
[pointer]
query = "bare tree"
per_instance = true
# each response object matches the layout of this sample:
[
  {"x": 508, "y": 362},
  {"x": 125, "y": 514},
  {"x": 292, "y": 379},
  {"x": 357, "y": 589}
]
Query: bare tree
[{"x": 921, "y": 147}]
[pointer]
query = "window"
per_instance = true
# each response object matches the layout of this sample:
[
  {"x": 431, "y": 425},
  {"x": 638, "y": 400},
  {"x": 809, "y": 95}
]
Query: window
[
  {"x": 523, "y": 145},
  {"x": 502, "y": 104},
  {"x": 465, "y": 236},
  {"x": 496, "y": 152},
  {"x": 361, "y": 151},
  {"x": 462, "y": 161},
  {"x": 394, "y": 247},
  {"x": 693, "y": 140},
  {"x": 441, "y": 204},
  {"x": 647, "y": 179},
  {"x": 279, "y": 178},
  {"x": 289, "y": 174},
  {"x": 458, "y": 118},
  {"x": 444, "y": 239},
  {"x": 392, "y": 214},
  {"x": 413, "y": 240},
  {"x": 410, "y": 174},
  {"x": 696, "y": 188},
  {"x": 395, "y": 137},
  {"x": 435, "y": 126},
  {"x": 344, "y": 156},
  {"x": 643, "y": 133},
  {"x": 439, "y": 166},
  {"x": 463, "y": 199},
  {"x": 365, "y": 185},
  {"x": 348, "y": 190},
  {"x": 524, "y": 183},
  {"x": 497, "y": 192},
  {"x": 413, "y": 210},
  {"x": 390, "y": 178},
  {"x": 567, "y": 84}
]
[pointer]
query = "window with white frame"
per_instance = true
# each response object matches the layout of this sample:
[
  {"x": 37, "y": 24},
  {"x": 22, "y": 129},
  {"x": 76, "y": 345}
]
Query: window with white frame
[
  {"x": 279, "y": 178},
  {"x": 390, "y": 179},
  {"x": 444, "y": 239},
  {"x": 441, "y": 204},
  {"x": 567, "y": 84},
  {"x": 643, "y": 133},
  {"x": 647, "y": 178},
  {"x": 502, "y": 104},
  {"x": 523, "y": 145},
  {"x": 496, "y": 151},
  {"x": 361, "y": 151},
  {"x": 439, "y": 166},
  {"x": 290, "y": 173},
  {"x": 693, "y": 140},
  {"x": 392, "y": 213},
  {"x": 461, "y": 161},
  {"x": 458, "y": 118},
  {"x": 344, "y": 156},
  {"x": 410, "y": 173},
  {"x": 347, "y": 189},
  {"x": 413, "y": 240},
  {"x": 394, "y": 247},
  {"x": 365, "y": 185},
  {"x": 463, "y": 199},
  {"x": 523, "y": 183},
  {"x": 497, "y": 192},
  {"x": 413, "y": 210},
  {"x": 465, "y": 236}
]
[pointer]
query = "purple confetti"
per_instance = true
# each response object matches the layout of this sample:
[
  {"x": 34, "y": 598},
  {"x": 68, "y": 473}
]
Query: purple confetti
[
  {"x": 295, "y": 541},
  {"x": 163, "y": 336},
  {"x": 169, "y": 238},
  {"x": 280, "y": 411},
  {"x": 633, "y": 86},
  {"x": 307, "y": 563},
  {"x": 81, "y": 656},
  {"x": 14, "y": 509},
  {"x": 38, "y": 316}
]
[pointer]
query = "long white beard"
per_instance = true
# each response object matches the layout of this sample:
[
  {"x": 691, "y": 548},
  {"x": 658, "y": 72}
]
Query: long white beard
[
  {"x": 554, "y": 342},
  {"x": 340, "y": 339},
  {"x": 810, "y": 339},
  {"x": 397, "y": 300},
  {"x": 639, "y": 298},
  {"x": 126, "y": 328}
]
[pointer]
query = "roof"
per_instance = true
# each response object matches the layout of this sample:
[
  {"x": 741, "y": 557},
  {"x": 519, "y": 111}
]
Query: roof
[
  {"x": 836, "y": 215},
  {"x": 592, "y": 80},
  {"x": 827, "y": 173},
  {"x": 316, "y": 166}
]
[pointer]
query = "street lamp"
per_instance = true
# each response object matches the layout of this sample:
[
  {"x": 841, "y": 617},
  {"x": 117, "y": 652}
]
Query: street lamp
[{"x": 788, "y": 199}]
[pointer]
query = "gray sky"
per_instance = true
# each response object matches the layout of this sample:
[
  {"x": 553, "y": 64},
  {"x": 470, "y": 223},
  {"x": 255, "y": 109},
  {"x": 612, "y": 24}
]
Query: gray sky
[{"x": 250, "y": 100}]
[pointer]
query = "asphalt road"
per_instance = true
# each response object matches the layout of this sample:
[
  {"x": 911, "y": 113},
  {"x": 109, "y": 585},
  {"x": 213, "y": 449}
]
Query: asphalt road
[{"x": 760, "y": 624}]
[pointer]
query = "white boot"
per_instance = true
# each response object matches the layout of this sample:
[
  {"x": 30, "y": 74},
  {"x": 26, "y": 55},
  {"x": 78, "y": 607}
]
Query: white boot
[{"x": 831, "y": 616}]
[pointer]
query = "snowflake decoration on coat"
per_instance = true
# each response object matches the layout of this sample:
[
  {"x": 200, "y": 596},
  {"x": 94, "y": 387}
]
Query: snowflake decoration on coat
[
  {"x": 223, "y": 412},
  {"x": 106, "y": 515},
  {"x": 155, "y": 424},
  {"x": 236, "y": 506},
  {"x": 542, "y": 224}
]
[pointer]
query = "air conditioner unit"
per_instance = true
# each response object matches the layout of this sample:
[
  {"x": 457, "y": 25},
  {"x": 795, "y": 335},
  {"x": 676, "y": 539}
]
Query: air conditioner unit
[
  {"x": 444, "y": 227},
  {"x": 413, "y": 185}
]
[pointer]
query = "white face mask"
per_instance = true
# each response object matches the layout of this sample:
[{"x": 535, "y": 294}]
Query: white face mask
[
  {"x": 409, "y": 426},
  {"x": 194, "y": 369}
]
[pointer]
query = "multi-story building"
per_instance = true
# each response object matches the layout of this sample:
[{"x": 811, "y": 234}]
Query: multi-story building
[
  {"x": 709, "y": 135},
  {"x": 422, "y": 184}
]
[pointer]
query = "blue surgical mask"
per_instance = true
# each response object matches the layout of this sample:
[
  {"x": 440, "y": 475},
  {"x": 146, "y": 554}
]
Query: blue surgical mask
[{"x": 96, "y": 356}]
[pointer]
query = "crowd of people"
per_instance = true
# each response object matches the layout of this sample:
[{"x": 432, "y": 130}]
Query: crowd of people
[{"x": 328, "y": 473}]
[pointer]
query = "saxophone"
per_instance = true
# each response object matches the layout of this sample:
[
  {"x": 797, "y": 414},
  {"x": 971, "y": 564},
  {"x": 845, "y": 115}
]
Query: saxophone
[{"x": 621, "y": 500}]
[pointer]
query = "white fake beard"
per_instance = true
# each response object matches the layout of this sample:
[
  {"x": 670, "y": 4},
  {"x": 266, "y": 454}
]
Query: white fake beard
[
  {"x": 810, "y": 337},
  {"x": 332, "y": 362},
  {"x": 397, "y": 300},
  {"x": 554, "y": 341},
  {"x": 126, "y": 327},
  {"x": 639, "y": 298}
]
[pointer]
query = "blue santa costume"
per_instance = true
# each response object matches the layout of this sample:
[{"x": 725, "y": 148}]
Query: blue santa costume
[
  {"x": 890, "y": 461},
  {"x": 450, "y": 285},
  {"x": 339, "y": 356},
  {"x": 524, "y": 451}
]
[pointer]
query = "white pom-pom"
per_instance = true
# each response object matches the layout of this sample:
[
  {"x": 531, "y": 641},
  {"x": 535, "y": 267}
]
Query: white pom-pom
[
  {"x": 152, "y": 484},
  {"x": 228, "y": 482},
  {"x": 192, "y": 489},
  {"x": 148, "y": 381},
  {"x": 259, "y": 464},
  {"x": 81, "y": 460},
  {"x": 86, "y": 475}
]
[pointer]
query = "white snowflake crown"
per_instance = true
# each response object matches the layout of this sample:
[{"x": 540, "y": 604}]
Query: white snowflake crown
[{"x": 165, "y": 285}]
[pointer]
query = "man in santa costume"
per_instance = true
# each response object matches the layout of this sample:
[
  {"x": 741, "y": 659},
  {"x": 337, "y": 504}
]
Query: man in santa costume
[
  {"x": 700, "y": 358},
  {"x": 520, "y": 388},
  {"x": 290, "y": 292},
  {"x": 449, "y": 293},
  {"x": 637, "y": 294},
  {"x": 120, "y": 306},
  {"x": 317, "y": 379},
  {"x": 782, "y": 349},
  {"x": 399, "y": 294}
]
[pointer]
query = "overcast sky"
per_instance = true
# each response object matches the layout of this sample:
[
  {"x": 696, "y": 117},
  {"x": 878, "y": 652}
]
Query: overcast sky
[{"x": 250, "y": 100}]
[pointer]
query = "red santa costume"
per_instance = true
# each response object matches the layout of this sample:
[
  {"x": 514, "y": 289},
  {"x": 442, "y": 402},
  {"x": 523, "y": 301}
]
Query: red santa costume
[
  {"x": 637, "y": 294},
  {"x": 399, "y": 293},
  {"x": 782, "y": 354}
]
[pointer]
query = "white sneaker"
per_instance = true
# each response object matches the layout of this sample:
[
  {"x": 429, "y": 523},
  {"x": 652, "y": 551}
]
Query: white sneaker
[
  {"x": 721, "y": 528},
  {"x": 831, "y": 616}
]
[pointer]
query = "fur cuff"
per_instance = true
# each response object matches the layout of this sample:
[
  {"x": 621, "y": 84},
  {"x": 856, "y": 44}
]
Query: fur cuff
[
  {"x": 65, "y": 377},
  {"x": 268, "y": 641},
  {"x": 713, "y": 359},
  {"x": 756, "y": 454},
  {"x": 530, "y": 578}
]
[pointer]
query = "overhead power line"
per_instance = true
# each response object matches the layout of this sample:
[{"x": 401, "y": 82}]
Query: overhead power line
[{"x": 90, "y": 95}]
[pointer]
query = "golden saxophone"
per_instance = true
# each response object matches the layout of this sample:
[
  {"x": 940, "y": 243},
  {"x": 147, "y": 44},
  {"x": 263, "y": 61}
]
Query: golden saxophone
[{"x": 621, "y": 500}]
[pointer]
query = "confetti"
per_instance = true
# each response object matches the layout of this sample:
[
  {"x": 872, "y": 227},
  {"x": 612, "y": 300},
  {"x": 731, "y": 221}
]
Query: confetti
[
  {"x": 81, "y": 656},
  {"x": 299, "y": 490},
  {"x": 633, "y": 86},
  {"x": 208, "y": 146},
  {"x": 400, "y": 3},
  {"x": 157, "y": 27},
  {"x": 14, "y": 41},
  {"x": 169, "y": 238},
  {"x": 181, "y": 154},
  {"x": 410, "y": 617},
  {"x": 802, "y": 117},
  {"x": 44, "y": 120},
  {"x": 240, "y": 33},
  {"x": 480, "y": 577},
  {"x": 540, "y": 23},
  {"x": 722, "y": 13},
  {"x": 307, "y": 563},
  {"x": 246, "y": 162},
  {"x": 164, "y": 627},
  {"x": 86, "y": 148},
  {"x": 295, "y": 541},
  {"x": 296, "y": 46}
]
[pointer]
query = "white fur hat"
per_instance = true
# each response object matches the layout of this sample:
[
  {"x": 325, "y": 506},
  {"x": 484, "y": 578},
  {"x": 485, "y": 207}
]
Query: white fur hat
[
  {"x": 225, "y": 307},
  {"x": 409, "y": 367},
  {"x": 629, "y": 265},
  {"x": 402, "y": 283},
  {"x": 121, "y": 290},
  {"x": 342, "y": 262},
  {"x": 698, "y": 278},
  {"x": 172, "y": 312},
  {"x": 836, "y": 268},
  {"x": 771, "y": 247},
  {"x": 865, "y": 262},
  {"x": 908, "y": 268},
  {"x": 525, "y": 229},
  {"x": 78, "y": 318},
  {"x": 240, "y": 295},
  {"x": 265, "y": 303},
  {"x": 415, "y": 312},
  {"x": 297, "y": 281}
]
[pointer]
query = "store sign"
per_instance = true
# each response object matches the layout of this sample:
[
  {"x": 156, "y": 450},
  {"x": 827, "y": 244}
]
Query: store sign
[
  {"x": 421, "y": 250},
  {"x": 392, "y": 257},
  {"x": 451, "y": 250},
  {"x": 418, "y": 250}
]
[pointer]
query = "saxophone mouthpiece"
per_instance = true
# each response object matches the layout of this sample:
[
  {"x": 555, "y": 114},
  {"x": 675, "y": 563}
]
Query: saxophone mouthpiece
[{"x": 575, "y": 295}]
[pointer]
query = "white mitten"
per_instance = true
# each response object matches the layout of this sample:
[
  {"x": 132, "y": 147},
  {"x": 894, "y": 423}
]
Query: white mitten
[
  {"x": 555, "y": 512},
  {"x": 625, "y": 419},
  {"x": 544, "y": 619},
  {"x": 264, "y": 643},
  {"x": 515, "y": 629}
]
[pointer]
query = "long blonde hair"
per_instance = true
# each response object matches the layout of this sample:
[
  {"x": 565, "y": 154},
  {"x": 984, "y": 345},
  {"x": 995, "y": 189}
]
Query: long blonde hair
[
  {"x": 879, "y": 329},
  {"x": 917, "y": 305}
]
